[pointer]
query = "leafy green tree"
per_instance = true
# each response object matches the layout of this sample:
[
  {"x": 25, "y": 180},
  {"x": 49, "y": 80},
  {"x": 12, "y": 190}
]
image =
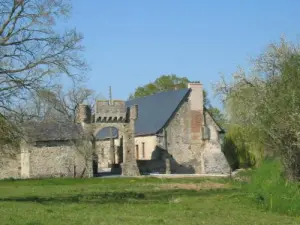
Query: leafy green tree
[
  {"x": 163, "y": 83},
  {"x": 266, "y": 104}
]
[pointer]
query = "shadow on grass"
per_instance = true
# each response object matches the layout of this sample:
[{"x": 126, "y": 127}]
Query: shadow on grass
[{"x": 162, "y": 196}]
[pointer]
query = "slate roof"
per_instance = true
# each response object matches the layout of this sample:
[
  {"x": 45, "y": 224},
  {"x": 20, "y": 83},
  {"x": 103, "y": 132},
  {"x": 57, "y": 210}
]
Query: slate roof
[
  {"x": 52, "y": 131},
  {"x": 154, "y": 111}
]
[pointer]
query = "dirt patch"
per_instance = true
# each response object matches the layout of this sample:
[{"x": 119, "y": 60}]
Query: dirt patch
[{"x": 197, "y": 187}]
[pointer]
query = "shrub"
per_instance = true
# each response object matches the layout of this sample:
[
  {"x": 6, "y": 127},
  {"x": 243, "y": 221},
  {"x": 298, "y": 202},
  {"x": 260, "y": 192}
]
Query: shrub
[
  {"x": 239, "y": 150},
  {"x": 271, "y": 191}
]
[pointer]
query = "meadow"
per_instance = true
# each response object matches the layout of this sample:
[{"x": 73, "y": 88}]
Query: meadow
[{"x": 134, "y": 201}]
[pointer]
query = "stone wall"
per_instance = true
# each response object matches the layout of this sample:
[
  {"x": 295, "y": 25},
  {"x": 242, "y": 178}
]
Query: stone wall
[
  {"x": 184, "y": 158},
  {"x": 102, "y": 151},
  {"x": 214, "y": 159},
  {"x": 54, "y": 159},
  {"x": 10, "y": 166},
  {"x": 189, "y": 155}
]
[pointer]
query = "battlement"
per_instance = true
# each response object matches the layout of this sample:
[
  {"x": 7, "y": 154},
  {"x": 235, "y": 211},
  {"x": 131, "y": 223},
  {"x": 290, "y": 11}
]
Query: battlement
[{"x": 104, "y": 112}]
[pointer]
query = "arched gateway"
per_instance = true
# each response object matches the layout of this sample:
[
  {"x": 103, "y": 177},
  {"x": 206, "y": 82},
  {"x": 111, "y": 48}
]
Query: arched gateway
[{"x": 114, "y": 115}]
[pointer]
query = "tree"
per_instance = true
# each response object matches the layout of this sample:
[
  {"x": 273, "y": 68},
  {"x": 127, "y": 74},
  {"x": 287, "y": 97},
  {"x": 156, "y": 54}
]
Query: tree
[
  {"x": 267, "y": 102},
  {"x": 85, "y": 151},
  {"x": 59, "y": 104},
  {"x": 163, "y": 83},
  {"x": 33, "y": 55}
]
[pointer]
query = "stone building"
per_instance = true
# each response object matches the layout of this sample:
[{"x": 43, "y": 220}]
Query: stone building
[
  {"x": 168, "y": 132},
  {"x": 174, "y": 128},
  {"x": 47, "y": 150}
]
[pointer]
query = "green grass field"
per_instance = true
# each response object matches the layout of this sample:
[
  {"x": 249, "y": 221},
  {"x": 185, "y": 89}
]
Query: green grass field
[{"x": 131, "y": 201}]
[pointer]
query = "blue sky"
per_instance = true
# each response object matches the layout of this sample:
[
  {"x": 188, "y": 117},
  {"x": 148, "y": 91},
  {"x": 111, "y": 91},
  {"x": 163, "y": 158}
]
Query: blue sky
[{"x": 132, "y": 42}]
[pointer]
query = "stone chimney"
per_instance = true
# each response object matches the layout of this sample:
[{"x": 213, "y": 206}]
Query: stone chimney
[
  {"x": 196, "y": 110},
  {"x": 84, "y": 114}
]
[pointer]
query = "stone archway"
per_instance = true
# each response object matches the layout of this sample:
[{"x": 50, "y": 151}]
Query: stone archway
[
  {"x": 108, "y": 138},
  {"x": 123, "y": 118}
]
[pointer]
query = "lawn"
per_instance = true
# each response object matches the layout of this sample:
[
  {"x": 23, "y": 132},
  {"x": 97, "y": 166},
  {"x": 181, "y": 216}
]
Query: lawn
[{"x": 131, "y": 201}]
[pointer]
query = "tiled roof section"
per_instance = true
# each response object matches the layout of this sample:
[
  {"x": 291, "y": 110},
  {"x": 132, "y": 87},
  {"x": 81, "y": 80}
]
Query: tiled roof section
[
  {"x": 104, "y": 133},
  {"x": 52, "y": 131},
  {"x": 154, "y": 111}
]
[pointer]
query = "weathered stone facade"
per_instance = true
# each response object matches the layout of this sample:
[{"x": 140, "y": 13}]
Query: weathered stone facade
[
  {"x": 54, "y": 159},
  {"x": 10, "y": 164},
  {"x": 184, "y": 158},
  {"x": 214, "y": 158},
  {"x": 43, "y": 159}
]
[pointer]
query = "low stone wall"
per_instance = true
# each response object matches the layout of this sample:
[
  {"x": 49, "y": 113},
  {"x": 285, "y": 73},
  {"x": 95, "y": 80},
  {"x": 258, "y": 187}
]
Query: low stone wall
[
  {"x": 53, "y": 160},
  {"x": 10, "y": 163}
]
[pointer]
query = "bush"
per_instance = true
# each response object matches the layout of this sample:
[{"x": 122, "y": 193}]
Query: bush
[
  {"x": 239, "y": 151},
  {"x": 230, "y": 152},
  {"x": 271, "y": 191}
]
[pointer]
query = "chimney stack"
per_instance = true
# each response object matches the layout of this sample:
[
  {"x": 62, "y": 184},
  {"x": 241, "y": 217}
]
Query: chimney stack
[
  {"x": 196, "y": 98},
  {"x": 196, "y": 109},
  {"x": 84, "y": 114}
]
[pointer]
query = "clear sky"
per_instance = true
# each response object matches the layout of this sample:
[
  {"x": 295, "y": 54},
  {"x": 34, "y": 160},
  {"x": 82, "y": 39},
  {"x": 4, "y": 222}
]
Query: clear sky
[{"x": 132, "y": 42}]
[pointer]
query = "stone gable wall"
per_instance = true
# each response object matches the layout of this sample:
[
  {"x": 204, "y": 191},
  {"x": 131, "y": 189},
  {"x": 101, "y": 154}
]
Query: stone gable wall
[
  {"x": 191, "y": 154},
  {"x": 214, "y": 159},
  {"x": 185, "y": 158}
]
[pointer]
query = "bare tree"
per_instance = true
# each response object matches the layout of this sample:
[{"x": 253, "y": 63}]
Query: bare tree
[
  {"x": 33, "y": 55},
  {"x": 62, "y": 104},
  {"x": 86, "y": 153}
]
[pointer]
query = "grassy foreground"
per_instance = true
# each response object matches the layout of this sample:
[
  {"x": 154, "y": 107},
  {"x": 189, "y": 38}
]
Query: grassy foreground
[{"x": 131, "y": 201}]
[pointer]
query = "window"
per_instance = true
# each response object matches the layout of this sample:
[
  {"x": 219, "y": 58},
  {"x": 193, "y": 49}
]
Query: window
[
  {"x": 143, "y": 149},
  {"x": 137, "y": 151}
]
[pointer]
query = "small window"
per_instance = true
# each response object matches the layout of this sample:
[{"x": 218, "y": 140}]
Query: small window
[
  {"x": 137, "y": 151},
  {"x": 143, "y": 149}
]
